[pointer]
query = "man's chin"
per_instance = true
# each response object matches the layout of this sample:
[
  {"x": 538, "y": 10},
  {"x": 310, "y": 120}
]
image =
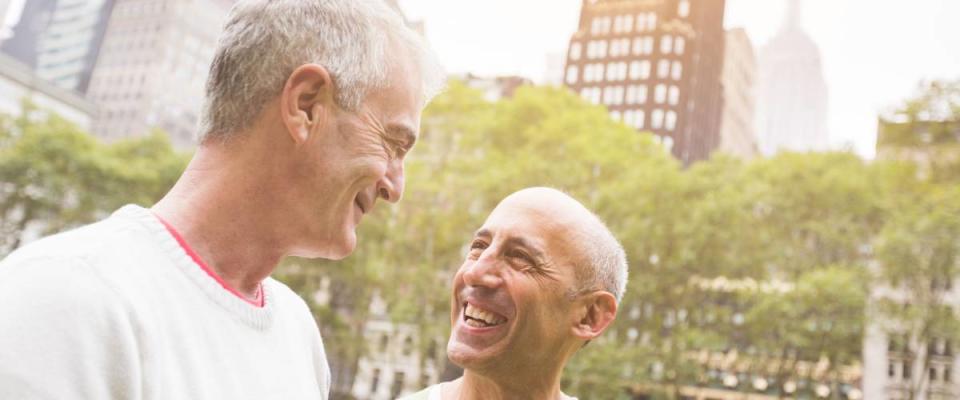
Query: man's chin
[
  {"x": 331, "y": 250},
  {"x": 469, "y": 357}
]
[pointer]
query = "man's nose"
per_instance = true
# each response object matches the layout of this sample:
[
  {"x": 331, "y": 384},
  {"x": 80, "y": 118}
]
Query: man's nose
[
  {"x": 390, "y": 186},
  {"x": 485, "y": 272}
]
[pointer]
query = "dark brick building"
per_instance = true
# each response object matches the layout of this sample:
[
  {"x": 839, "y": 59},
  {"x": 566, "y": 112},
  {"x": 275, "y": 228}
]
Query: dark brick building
[{"x": 656, "y": 65}]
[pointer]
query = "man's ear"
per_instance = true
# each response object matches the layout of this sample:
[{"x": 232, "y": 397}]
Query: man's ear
[
  {"x": 306, "y": 100},
  {"x": 597, "y": 312}
]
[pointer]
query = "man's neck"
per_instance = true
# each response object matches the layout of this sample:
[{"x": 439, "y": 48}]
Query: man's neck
[
  {"x": 220, "y": 212},
  {"x": 473, "y": 386}
]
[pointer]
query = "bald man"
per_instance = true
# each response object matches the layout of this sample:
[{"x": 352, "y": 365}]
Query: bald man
[{"x": 543, "y": 277}]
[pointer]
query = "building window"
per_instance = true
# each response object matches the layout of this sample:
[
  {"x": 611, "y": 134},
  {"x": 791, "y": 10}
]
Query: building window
[
  {"x": 652, "y": 21},
  {"x": 906, "y": 371},
  {"x": 639, "y": 119},
  {"x": 637, "y": 45},
  {"x": 575, "y": 51},
  {"x": 611, "y": 71},
  {"x": 635, "y": 70},
  {"x": 605, "y": 25},
  {"x": 648, "y": 45},
  {"x": 947, "y": 377},
  {"x": 671, "y": 120},
  {"x": 663, "y": 68},
  {"x": 683, "y": 10},
  {"x": 667, "y": 142},
  {"x": 397, "y": 385},
  {"x": 384, "y": 342},
  {"x": 891, "y": 370},
  {"x": 678, "y": 45},
  {"x": 666, "y": 44},
  {"x": 615, "y": 115},
  {"x": 674, "y": 95},
  {"x": 375, "y": 381},
  {"x": 656, "y": 119},
  {"x": 660, "y": 94},
  {"x": 645, "y": 69},
  {"x": 677, "y": 71},
  {"x": 597, "y": 72},
  {"x": 572, "y": 72},
  {"x": 617, "y": 24},
  {"x": 407, "y": 346},
  {"x": 641, "y": 22},
  {"x": 601, "y": 48},
  {"x": 933, "y": 374},
  {"x": 627, "y": 23},
  {"x": 595, "y": 26}
]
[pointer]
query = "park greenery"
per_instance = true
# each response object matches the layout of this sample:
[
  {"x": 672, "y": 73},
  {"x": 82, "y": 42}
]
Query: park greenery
[{"x": 770, "y": 268}]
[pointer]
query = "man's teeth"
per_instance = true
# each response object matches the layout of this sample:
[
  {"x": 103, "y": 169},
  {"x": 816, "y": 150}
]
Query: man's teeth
[{"x": 476, "y": 315}]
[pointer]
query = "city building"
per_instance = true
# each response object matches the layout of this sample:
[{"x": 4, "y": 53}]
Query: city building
[
  {"x": 494, "y": 88},
  {"x": 6, "y": 13},
  {"x": 153, "y": 67},
  {"x": 897, "y": 363},
  {"x": 656, "y": 66},
  {"x": 553, "y": 69},
  {"x": 395, "y": 365},
  {"x": 792, "y": 103},
  {"x": 19, "y": 83},
  {"x": 934, "y": 146},
  {"x": 737, "y": 135},
  {"x": 60, "y": 39},
  {"x": 30, "y": 21}
]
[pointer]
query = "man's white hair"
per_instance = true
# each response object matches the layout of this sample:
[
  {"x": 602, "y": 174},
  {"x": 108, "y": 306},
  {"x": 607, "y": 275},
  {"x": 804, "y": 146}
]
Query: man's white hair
[
  {"x": 264, "y": 41},
  {"x": 607, "y": 260}
]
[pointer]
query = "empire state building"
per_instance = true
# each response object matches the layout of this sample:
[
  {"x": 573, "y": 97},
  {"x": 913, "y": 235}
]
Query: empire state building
[{"x": 792, "y": 106}]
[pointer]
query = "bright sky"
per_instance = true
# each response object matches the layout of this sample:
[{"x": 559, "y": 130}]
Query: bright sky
[{"x": 874, "y": 51}]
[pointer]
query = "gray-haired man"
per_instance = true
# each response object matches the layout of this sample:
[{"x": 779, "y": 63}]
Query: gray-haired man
[{"x": 311, "y": 107}]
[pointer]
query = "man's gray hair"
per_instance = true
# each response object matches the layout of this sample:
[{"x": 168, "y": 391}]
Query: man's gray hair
[
  {"x": 607, "y": 261},
  {"x": 264, "y": 41}
]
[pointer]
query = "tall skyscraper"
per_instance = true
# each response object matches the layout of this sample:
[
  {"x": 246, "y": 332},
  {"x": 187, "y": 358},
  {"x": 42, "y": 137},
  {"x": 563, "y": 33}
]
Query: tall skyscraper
[
  {"x": 60, "y": 39},
  {"x": 32, "y": 22},
  {"x": 153, "y": 66},
  {"x": 793, "y": 93},
  {"x": 655, "y": 65},
  {"x": 737, "y": 135}
]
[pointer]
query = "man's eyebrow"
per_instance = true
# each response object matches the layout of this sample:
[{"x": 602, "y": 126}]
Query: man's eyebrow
[
  {"x": 404, "y": 133},
  {"x": 516, "y": 241}
]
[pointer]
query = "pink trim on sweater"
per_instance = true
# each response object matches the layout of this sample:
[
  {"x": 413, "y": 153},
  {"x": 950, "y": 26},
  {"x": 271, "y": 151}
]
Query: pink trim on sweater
[{"x": 257, "y": 301}]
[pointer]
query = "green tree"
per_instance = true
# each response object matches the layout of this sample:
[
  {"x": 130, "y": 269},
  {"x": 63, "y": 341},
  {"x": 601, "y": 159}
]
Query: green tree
[{"x": 53, "y": 176}]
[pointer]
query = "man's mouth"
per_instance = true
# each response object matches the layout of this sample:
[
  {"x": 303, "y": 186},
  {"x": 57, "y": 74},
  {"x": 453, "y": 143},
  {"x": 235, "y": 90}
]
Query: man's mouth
[{"x": 477, "y": 317}]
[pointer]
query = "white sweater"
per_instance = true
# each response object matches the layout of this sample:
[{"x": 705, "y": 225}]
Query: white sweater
[{"x": 118, "y": 310}]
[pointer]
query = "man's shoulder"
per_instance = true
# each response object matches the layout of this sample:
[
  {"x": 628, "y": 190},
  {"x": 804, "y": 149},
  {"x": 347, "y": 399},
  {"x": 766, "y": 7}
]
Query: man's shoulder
[{"x": 85, "y": 243}]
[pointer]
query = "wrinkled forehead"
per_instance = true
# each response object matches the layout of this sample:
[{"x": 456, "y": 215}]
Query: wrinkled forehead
[{"x": 551, "y": 228}]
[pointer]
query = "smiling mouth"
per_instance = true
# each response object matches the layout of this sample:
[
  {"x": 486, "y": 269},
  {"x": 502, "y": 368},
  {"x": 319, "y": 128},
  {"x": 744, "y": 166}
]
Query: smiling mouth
[{"x": 477, "y": 317}]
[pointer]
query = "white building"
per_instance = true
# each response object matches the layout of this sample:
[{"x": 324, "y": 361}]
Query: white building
[
  {"x": 553, "y": 70},
  {"x": 792, "y": 106},
  {"x": 19, "y": 83},
  {"x": 153, "y": 66},
  {"x": 739, "y": 81},
  {"x": 393, "y": 366},
  {"x": 894, "y": 362}
]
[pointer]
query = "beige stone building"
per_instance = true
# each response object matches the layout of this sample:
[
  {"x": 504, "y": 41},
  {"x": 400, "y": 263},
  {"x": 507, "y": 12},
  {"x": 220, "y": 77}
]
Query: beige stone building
[
  {"x": 737, "y": 134},
  {"x": 153, "y": 66}
]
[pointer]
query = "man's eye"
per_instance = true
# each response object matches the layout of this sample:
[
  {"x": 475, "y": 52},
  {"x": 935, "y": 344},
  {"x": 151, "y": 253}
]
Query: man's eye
[
  {"x": 521, "y": 256},
  {"x": 478, "y": 244}
]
